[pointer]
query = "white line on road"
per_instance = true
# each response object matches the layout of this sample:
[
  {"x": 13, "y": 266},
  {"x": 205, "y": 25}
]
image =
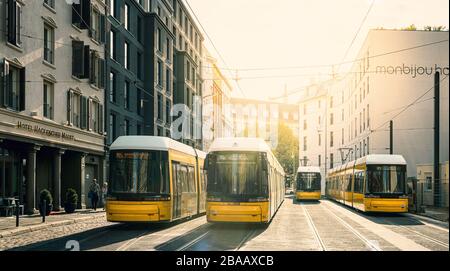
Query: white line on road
[{"x": 313, "y": 228}]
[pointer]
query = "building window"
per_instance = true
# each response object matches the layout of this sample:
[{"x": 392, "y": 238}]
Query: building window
[
  {"x": 168, "y": 50},
  {"x": 139, "y": 101},
  {"x": 428, "y": 183},
  {"x": 126, "y": 94},
  {"x": 331, "y": 139},
  {"x": 48, "y": 99},
  {"x": 342, "y": 134},
  {"x": 112, "y": 87},
  {"x": 331, "y": 160},
  {"x": 97, "y": 30},
  {"x": 139, "y": 29},
  {"x": 126, "y": 127},
  {"x": 12, "y": 86},
  {"x": 305, "y": 143},
  {"x": 139, "y": 65},
  {"x": 331, "y": 119},
  {"x": 112, "y": 8},
  {"x": 50, "y": 3},
  {"x": 331, "y": 102},
  {"x": 126, "y": 56},
  {"x": 160, "y": 73},
  {"x": 127, "y": 17},
  {"x": 13, "y": 22},
  {"x": 112, "y": 128},
  {"x": 74, "y": 109},
  {"x": 112, "y": 45},
  {"x": 320, "y": 160},
  {"x": 305, "y": 125},
  {"x": 158, "y": 40},
  {"x": 168, "y": 112},
  {"x": 97, "y": 67},
  {"x": 160, "y": 107},
  {"x": 320, "y": 140},
  {"x": 49, "y": 43},
  {"x": 168, "y": 81}
]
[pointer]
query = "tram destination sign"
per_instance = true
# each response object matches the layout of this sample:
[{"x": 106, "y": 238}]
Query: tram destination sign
[{"x": 44, "y": 131}]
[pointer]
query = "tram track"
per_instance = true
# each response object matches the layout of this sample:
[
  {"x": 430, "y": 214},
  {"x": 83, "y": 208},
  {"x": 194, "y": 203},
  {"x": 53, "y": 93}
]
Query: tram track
[
  {"x": 368, "y": 243},
  {"x": 314, "y": 229},
  {"x": 423, "y": 236}
]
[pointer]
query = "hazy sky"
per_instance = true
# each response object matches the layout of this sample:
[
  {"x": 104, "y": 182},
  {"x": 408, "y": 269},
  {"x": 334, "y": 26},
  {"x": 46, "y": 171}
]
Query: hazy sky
[{"x": 286, "y": 33}]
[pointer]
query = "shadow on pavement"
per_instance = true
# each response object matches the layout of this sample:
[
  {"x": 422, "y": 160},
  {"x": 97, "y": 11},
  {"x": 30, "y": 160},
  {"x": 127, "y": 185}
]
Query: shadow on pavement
[{"x": 215, "y": 237}]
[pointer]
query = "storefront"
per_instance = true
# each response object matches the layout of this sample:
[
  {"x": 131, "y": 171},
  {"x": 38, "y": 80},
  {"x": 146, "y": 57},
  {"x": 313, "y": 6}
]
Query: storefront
[{"x": 37, "y": 155}]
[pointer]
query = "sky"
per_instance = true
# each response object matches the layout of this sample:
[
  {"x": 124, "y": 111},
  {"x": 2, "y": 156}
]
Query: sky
[{"x": 254, "y": 34}]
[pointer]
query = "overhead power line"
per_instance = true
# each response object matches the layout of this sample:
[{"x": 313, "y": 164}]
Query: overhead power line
[{"x": 212, "y": 43}]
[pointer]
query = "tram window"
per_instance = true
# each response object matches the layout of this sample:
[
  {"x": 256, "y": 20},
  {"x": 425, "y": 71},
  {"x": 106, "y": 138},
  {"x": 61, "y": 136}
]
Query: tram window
[
  {"x": 183, "y": 172},
  {"x": 191, "y": 179},
  {"x": 349, "y": 183},
  {"x": 386, "y": 179}
]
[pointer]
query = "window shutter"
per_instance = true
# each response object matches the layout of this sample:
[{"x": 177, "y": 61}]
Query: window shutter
[
  {"x": 101, "y": 73},
  {"x": 100, "y": 119},
  {"x": 69, "y": 108},
  {"x": 76, "y": 14},
  {"x": 93, "y": 71},
  {"x": 77, "y": 58},
  {"x": 12, "y": 6},
  {"x": 89, "y": 114},
  {"x": 103, "y": 28},
  {"x": 87, "y": 62},
  {"x": 22, "y": 90},
  {"x": 86, "y": 14},
  {"x": 83, "y": 112},
  {"x": 4, "y": 81}
]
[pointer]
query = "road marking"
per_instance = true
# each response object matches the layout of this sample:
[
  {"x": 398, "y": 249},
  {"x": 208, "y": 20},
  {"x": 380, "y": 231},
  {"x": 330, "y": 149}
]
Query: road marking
[
  {"x": 369, "y": 243},
  {"x": 191, "y": 243},
  {"x": 390, "y": 236},
  {"x": 431, "y": 239},
  {"x": 313, "y": 228}
]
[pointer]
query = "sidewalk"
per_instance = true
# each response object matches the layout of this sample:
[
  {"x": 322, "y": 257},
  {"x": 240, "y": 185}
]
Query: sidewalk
[
  {"x": 440, "y": 214},
  {"x": 29, "y": 223}
]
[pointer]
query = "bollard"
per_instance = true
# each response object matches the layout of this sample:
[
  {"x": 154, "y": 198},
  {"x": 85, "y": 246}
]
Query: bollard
[
  {"x": 44, "y": 210},
  {"x": 17, "y": 212}
]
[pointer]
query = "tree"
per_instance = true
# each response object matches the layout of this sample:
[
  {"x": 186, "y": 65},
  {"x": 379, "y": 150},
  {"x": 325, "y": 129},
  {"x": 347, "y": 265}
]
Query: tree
[{"x": 287, "y": 151}]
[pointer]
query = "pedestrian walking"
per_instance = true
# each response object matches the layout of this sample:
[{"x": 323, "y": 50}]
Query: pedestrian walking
[{"x": 94, "y": 190}]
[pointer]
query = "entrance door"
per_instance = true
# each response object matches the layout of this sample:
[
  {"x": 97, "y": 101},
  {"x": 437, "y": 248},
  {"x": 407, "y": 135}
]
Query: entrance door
[
  {"x": 89, "y": 175},
  {"x": 176, "y": 180}
]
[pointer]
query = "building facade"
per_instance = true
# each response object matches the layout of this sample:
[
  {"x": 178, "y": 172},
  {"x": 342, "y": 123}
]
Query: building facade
[
  {"x": 256, "y": 118},
  {"x": 217, "y": 118},
  {"x": 392, "y": 78},
  {"x": 154, "y": 63},
  {"x": 51, "y": 99}
]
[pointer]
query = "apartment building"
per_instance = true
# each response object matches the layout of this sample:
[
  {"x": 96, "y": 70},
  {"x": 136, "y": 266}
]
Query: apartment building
[{"x": 51, "y": 98}]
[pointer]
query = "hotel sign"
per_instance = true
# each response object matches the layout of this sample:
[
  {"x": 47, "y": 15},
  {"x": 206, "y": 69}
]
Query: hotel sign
[{"x": 44, "y": 131}]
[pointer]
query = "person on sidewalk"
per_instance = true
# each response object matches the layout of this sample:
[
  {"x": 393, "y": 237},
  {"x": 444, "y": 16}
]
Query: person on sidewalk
[
  {"x": 104, "y": 193},
  {"x": 94, "y": 190}
]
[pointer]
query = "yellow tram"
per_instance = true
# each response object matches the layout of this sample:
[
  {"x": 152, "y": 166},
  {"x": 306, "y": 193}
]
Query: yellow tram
[
  {"x": 374, "y": 183},
  {"x": 245, "y": 181},
  {"x": 308, "y": 183},
  {"x": 154, "y": 179}
]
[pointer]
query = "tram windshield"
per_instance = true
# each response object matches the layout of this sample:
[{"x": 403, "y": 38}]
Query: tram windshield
[
  {"x": 237, "y": 175},
  {"x": 139, "y": 172},
  {"x": 308, "y": 181},
  {"x": 386, "y": 180}
]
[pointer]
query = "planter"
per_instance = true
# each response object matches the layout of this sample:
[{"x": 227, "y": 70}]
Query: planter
[{"x": 70, "y": 208}]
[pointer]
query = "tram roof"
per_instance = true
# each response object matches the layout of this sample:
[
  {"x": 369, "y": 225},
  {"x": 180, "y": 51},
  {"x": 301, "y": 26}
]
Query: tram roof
[
  {"x": 154, "y": 143},
  {"x": 309, "y": 169},
  {"x": 239, "y": 144},
  {"x": 382, "y": 159}
]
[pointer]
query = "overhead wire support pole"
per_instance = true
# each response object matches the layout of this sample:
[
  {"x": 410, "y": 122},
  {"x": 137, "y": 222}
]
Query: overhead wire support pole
[{"x": 437, "y": 192}]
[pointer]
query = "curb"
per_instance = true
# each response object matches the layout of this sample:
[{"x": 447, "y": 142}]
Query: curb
[{"x": 32, "y": 228}]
